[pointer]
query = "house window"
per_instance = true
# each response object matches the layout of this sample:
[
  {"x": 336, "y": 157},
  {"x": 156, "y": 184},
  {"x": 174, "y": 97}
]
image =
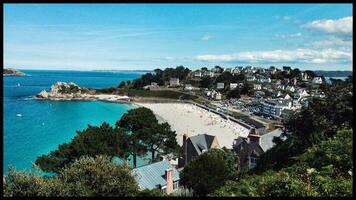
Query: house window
[
  {"x": 175, "y": 185},
  {"x": 163, "y": 189},
  {"x": 253, "y": 162}
]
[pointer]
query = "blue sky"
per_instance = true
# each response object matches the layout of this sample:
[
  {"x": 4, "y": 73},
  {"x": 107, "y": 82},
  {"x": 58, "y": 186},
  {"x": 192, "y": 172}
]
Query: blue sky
[{"x": 149, "y": 36}]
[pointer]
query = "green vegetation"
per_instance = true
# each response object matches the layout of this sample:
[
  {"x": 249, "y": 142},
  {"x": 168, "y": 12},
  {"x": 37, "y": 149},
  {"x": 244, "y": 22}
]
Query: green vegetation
[
  {"x": 146, "y": 134},
  {"x": 209, "y": 171},
  {"x": 313, "y": 159},
  {"x": 325, "y": 169},
  {"x": 161, "y": 76},
  {"x": 85, "y": 177},
  {"x": 122, "y": 84},
  {"x": 135, "y": 134},
  {"x": 90, "y": 142},
  {"x": 313, "y": 124}
]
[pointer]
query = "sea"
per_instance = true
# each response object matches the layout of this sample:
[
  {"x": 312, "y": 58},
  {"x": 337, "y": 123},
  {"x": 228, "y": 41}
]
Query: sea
[{"x": 34, "y": 127}]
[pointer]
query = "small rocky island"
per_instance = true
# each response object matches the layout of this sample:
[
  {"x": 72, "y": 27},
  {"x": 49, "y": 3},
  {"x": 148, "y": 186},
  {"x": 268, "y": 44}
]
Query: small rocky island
[
  {"x": 13, "y": 72},
  {"x": 62, "y": 91}
]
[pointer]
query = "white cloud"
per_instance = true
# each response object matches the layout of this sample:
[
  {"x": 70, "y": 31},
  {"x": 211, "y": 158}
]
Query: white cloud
[
  {"x": 342, "y": 26},
  {"x": 206, "y": 37},
  {"x": 297, "y": 55},
  {"x": 331, "y": 42}
]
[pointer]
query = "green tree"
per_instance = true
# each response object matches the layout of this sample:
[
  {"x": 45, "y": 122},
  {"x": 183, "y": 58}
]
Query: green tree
[
  {"x": 209, "y": 171},
  {"x": 137, "y": 122},
  {"x": 206, "y": 82},
  {"x": 160, "y": 137},
  {"x": 247, "y": 89},
  {"x": 122, "y": 84},
  {"x": 325, "y": 169},
  {"x": 84, "y": 178},
  {"x": 235, "y": 93},
  {"x": 89, "y": 142}
]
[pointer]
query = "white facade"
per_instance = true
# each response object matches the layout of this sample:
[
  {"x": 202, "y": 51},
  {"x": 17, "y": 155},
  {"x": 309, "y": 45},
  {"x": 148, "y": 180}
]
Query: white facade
[{"x": 233, "y": 86}]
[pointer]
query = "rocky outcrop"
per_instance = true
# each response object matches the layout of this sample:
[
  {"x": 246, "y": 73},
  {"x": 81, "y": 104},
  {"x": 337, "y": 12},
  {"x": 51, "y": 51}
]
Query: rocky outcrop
[
  {"x": 13, "y": 72},
  {"x": 67, "y": 91},
  {"x": 62, "y": 91}
]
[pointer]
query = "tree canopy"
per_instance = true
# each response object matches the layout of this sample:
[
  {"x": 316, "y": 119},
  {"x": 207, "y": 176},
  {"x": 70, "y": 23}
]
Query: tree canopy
[
  {"x": 209, "y": 171},
  {"x": 86, "y": 177},
  {"x": 325, "y": 169},
  {"x": 136, "y": 133},
  {"x": 89, "y": 142}
]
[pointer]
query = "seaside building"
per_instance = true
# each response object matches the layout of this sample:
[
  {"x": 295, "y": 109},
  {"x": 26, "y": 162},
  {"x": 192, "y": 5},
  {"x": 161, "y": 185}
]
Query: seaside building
[
  {"x": 317, "y": 80},
  {"x": 249, "y": 149},
  {"x": 218, "y": 96},
  {"x": 273, "y": 108},
  {"x": 233, "y": 86},
  {"x": 196, "y": 145},
  {"x": 197, "y": 74},
  {"x": 173, "y": 82},
  {"x": 257, "y": 86},
  {"x": 160, "y": 175},
  {"x": 220, "y": 86},
  {"x": 250, "y": 78}
]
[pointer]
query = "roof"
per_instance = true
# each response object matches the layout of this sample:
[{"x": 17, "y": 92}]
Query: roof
[
  {"x": 152, "y": 175},
  {"x": 266, "y": 139},
  {"x": 244, "y": 149},
  {"x": 201, "y": 142}
]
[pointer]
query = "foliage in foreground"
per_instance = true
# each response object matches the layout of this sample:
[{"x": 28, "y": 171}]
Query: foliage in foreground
[
  {"x": 325, "y": 169},
  {"x": 209, "y": 171},
  {"x": 85, "y": 177}
]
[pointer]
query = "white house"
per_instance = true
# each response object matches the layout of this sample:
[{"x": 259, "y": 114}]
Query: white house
[
  {"x": 257, "y": 86},
  {"x": 290, "y": 88},
  {"x": 208, "y": 73},
  {"x": 233, "y": 86},
  {"x": 317, "y": 80},
  {"x": 218, "y": 96},
  {"x": 250, "y": 78},
  {"x": 287, "y": 96},
  {"x": 220, "y": 86},
  {"x": 197, "y": 73},
  {"x": 174, "y": 81}
]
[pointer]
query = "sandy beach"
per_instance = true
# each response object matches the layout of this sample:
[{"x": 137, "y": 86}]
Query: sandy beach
[{"x": 192, "y": 120}]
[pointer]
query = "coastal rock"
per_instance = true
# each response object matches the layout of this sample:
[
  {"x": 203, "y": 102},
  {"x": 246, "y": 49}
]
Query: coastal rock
[
  {"x": 13, "y": 72},
  {"x": 63, "y": 91}
]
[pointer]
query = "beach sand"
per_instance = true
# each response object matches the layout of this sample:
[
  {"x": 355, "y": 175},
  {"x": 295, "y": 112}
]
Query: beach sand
[{"x": 192, "y": 120}]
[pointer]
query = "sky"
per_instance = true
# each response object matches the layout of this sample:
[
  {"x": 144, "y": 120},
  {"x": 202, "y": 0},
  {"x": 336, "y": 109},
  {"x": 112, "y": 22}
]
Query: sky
[{"x": 150, "y": 36}]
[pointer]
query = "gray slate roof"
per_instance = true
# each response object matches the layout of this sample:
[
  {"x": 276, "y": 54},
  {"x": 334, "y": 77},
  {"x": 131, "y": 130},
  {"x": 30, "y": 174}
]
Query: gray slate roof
[
  {"x": 150, "y": 176},
  {"x": 201, "y": 142},
  {"x": 266, "y": 139}
]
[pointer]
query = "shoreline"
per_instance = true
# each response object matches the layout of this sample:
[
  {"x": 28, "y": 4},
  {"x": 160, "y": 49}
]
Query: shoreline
[{"x": 186, "y": 117}]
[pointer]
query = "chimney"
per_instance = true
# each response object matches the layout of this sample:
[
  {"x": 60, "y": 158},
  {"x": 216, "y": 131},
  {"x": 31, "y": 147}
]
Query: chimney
[
  {"x": 169, "y": 179},
  {"x": 185, "y": 149},
  {"x": 254, "y": 138}
]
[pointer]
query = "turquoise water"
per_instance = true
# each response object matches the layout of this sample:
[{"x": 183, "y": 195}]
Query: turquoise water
[{"x": 46, "y": 124}]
